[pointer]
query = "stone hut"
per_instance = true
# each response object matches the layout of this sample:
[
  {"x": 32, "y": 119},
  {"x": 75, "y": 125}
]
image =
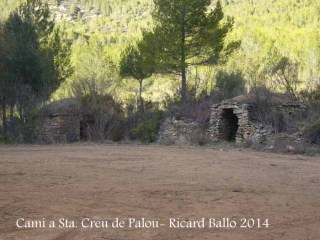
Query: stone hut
[
  {"x": 60, "y": 121},
  {"x": 236, "y": 120}
]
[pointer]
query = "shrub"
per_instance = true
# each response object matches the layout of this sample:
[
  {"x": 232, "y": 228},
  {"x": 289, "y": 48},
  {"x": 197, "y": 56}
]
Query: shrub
[
  {"x": 146, "y": 126},
  {"x": 103, "y": 118},
  {"x": 195, "y": 110},
  {"x": 21, "y": 133},
  {"x": 229, "y": 85},
  {"x": 312, "y": 133}
]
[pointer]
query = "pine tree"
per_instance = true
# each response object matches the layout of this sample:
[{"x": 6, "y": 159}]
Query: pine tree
[
  {"x": 35, "y": 59},
  {"x": 190, "y": 34},
  {"x": 23, "y": 62},
  {"x": 53, "y": 53},
  {"x": 139, "y": 62}
]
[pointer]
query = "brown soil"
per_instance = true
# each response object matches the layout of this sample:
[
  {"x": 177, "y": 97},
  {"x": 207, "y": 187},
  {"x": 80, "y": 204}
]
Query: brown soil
[{"x": 105, "y": 182}]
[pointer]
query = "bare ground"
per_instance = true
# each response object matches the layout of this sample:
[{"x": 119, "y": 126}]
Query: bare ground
[{"x": 104, "y": 182}]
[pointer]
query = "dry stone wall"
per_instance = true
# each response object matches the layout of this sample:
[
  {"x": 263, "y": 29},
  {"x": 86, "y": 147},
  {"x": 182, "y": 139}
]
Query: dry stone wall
[
  {"x": 217, "y": 128},
  {"x": 60, "y": 129},
  {"x": 229, "y": 121},
  {"x": 179, "y": 132},
  {"x": 249, "y": 128}
]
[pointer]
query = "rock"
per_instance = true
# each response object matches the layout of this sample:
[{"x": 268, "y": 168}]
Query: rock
[{"x": 290, "y": 148}]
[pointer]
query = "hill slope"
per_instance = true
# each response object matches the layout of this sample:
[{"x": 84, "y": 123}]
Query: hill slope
[{"x": 269, "y": 30}]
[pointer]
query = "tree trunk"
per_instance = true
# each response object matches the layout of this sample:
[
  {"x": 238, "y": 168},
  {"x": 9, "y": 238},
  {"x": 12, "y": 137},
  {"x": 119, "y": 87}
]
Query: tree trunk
[
  {"x": 184, "y": 85},
  {"x": 183, "y": 59},
  {"x": 11, "y": 112},
  {"x": 4, "y": 115},
  {"x": 21, "y": 115},
  {"x": 140, "y": 95}
]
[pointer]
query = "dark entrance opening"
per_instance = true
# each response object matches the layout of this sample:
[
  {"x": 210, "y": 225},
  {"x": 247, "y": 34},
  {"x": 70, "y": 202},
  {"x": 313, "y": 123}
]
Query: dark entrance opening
[
  {"x": 87, "y": 128},
  {"x": 229, "y": 125}
]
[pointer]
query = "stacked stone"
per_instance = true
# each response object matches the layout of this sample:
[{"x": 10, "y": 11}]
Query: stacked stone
[
  {"x": 174, "y": 131},
  {"x": 244, "y": 114},
  {"x": 60, "y": 129},
  {"x": 261, "y": 132},
  {"x": 214, "y": 123},
  {"x": 50, "y": 129},
  {"x": 245, "y": 119},
  {"x": 180, "y": 131},
  {"x": 288, "y": 108},
  {"x": 248, "y": 127}
]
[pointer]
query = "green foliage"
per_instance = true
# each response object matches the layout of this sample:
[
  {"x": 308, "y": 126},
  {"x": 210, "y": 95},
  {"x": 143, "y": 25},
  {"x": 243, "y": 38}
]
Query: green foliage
[
  {"x": 23, "y": 63},
  {"x": 270, "y": 32},
  {"x": 311, "y": 130},
  {"x": 147, "y": 125},
  {"x": 190, "y": 33},
  {"x": 287, "y": 27},
  {"x": 286, "y": 77},
  {"x": 95, "y": 72},
  {"x": 103, "y": 118},
  {"x": 58, "y": 54},
  {"x": 34, "y": 61},
  {"x": 37, "y": 14},
  {"x": 37, "y": 47},
  {"x": 139, "y": 63},
  {"x": 279, "y": 49},
  {"x": 229, "y": 85},
  {"x": 312, "y": 133},
  {"x": 7, "y": 6}
]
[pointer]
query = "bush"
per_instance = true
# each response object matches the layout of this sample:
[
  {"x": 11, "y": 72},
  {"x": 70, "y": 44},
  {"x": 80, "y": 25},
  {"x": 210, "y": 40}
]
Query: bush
[
  {"x": 103, "y": 118},
  {"x": 146, "y": 126},
  {"x": 20, "y": 133},
  {"x": 196, "y": 110},
  {"x": 312, "y": 133},
  {"x": 29, "y": 129},
  {"x": 229, "y": 85},
  {"x": 264, "y": 111}
]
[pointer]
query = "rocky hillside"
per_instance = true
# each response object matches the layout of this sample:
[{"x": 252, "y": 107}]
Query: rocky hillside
[{"x": 68, "y": 11}]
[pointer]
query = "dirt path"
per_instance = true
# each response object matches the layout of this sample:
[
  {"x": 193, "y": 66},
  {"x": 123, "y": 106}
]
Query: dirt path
[{"x": 105, "y": 182}]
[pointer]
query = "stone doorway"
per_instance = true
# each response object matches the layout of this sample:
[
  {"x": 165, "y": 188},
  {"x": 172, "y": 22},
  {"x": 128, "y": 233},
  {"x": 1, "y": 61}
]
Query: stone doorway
[
  {"x": 229, "y": 125},
  {"x": 87, "y": 128}
]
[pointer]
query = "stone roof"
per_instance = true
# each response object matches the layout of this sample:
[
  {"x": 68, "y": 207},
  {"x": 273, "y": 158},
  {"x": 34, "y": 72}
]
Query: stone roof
[
  {"x": 274, "y": 98},
  {"x": 64, "y": 107}
]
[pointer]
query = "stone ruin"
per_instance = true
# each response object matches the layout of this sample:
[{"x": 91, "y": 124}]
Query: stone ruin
[
  {"x": 174, "y": 131},
  {"x": 233, "y": 120},
  {"x": 60, "y": 121},
  {"x": 236, "y": 119},
  {"x": 230, "y": 121}
]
